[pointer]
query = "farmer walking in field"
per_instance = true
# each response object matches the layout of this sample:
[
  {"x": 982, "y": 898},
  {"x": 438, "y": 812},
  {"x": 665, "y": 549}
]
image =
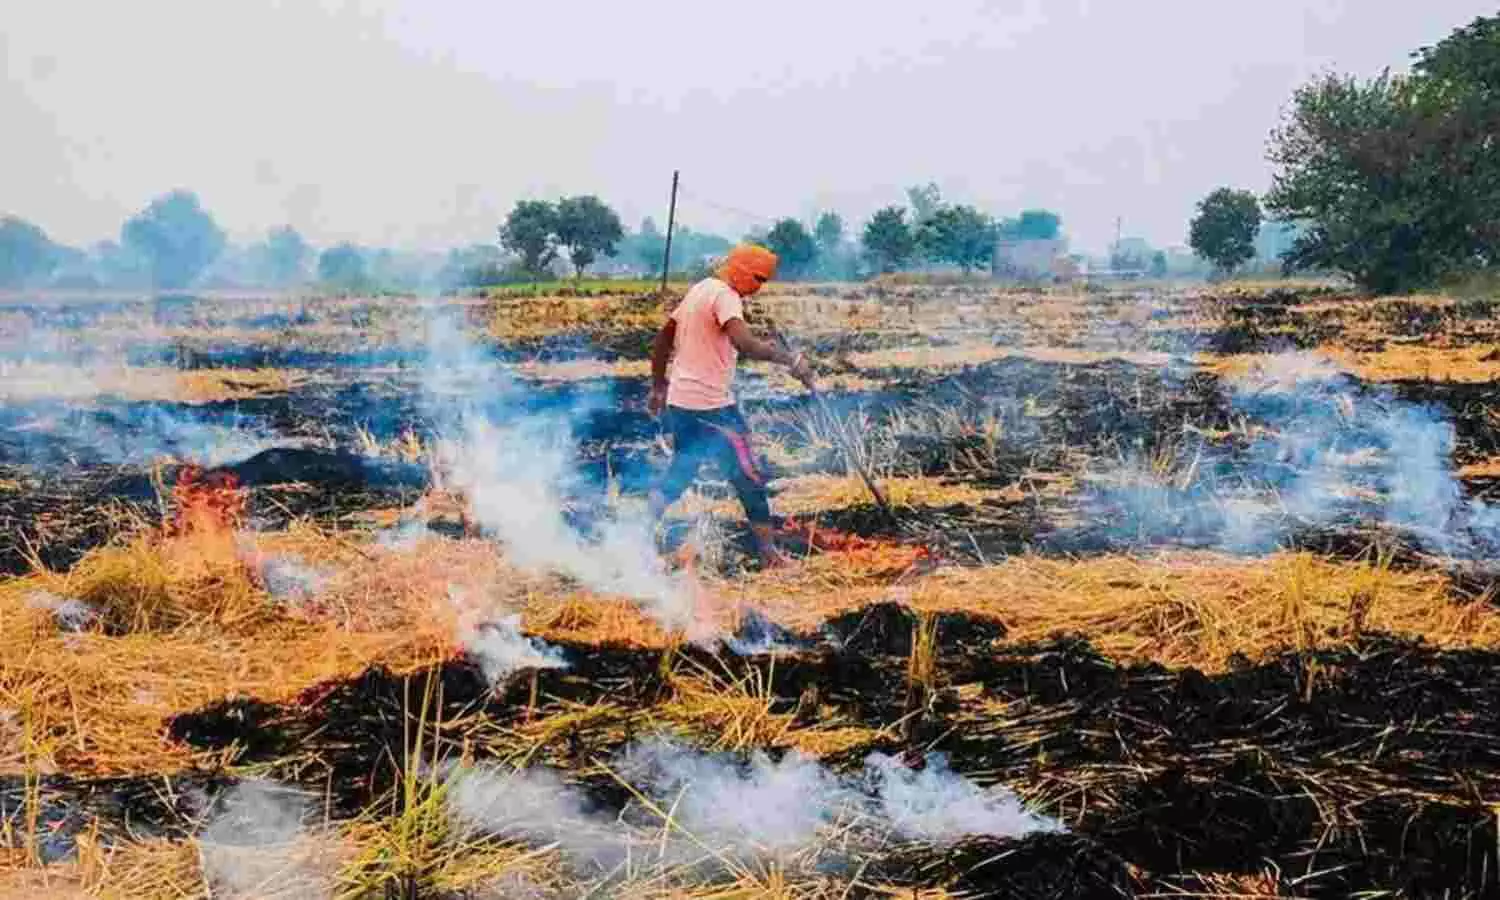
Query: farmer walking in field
[{"x": 703, "y": 340}]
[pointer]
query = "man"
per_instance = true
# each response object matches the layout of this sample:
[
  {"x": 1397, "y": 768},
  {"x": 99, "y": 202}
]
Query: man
[{"x": 708, "y": 333}]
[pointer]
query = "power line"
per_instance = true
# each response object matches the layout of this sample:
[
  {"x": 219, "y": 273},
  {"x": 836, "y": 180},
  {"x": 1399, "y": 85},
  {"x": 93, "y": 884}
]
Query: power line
[{"x": 726, "y": 208}]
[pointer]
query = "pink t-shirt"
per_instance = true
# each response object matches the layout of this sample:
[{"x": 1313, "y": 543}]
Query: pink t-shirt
[{"x": 702, "y": 370}]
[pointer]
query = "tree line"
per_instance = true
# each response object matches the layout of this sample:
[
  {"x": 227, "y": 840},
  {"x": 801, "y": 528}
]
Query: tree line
[{"x": 175, "y": 243}]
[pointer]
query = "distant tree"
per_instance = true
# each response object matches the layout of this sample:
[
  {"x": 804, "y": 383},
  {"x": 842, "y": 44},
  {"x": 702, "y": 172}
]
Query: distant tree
[
  {"x": 1224, "y": 229},
  {"x": 649, "y": 246},
  {"x": 586, "y": 228},
  {"x": 888, "y": 240},
  {"x": 925, "y": 199},
  {"x": 829, "y": 232},
  {"x": 1159, "y": 264},
  {"x": 27, "y": 255},
  {"x": 961, "y": 235},
  {"x": 1038, "y": 225},
  {"x": 343, "y": 266},
  {"x": 286, "y": 255},
  {"x": 478, "y": 265},
  {"x": 793, "y": 246},
  {"x": 530, "y": 233},
  {"x": 692, "y": 249},
  {"x": 175, "y": 236}
]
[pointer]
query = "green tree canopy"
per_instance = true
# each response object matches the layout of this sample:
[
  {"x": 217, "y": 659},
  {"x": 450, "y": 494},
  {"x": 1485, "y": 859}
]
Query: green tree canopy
[
  {"x": 586, "y": 228},
  {"x": 829, "y": 232},
  {"x": 888, "y": 240},
  {"x": 1397, "y": 177},
  {"x": 530, "y": 233},
  {"x": 1035, "y": 225},
  {"x": 1224, "y": 229},
  {"x": 175, "y": 236},
  {"x": 961, "y": 235},
  {"x": 793, "y": 246}
]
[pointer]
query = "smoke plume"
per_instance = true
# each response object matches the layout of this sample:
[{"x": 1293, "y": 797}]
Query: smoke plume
[
  {"x": 723, "y": 807},
  {"x": 259, "y": 845}
]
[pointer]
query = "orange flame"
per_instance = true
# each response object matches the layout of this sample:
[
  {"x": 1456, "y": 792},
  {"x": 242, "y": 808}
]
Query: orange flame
[{"x": 206, "y": 501}]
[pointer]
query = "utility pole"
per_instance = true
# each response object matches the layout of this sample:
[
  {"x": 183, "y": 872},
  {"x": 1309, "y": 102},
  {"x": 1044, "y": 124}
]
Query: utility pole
[{"x": 666, "y": 257}]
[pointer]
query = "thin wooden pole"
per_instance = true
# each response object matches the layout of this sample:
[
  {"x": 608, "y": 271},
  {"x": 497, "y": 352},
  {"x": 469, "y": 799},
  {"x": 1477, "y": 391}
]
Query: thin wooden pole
[{"x": 666, "y": 257}]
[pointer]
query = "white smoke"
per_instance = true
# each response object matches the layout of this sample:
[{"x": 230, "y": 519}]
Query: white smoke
[
  {"x": 292, "y": 580},
  {"x": 70, "y": 613},
  {"x": 722, "y": 807},
  {"x": 536, "y": 806},
  {"x": 259, "y": 846},
  {"x": 1328, "y": 451},
  {"x": 515, "y": 468},
  {"x": 501, "y": 649},
  {"x": 937, "y": 805},
  {"x": 764, "y": 807}
]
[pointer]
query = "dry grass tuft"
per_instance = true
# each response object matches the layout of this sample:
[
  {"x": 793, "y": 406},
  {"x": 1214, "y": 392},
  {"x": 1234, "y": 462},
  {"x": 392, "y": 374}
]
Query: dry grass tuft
[{"x": 1202, "y": 609}]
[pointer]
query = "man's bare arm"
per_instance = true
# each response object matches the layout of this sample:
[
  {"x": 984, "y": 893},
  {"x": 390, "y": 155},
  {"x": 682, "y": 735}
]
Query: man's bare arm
[
  {"x": 661, "y": 352},
  {"x": 747, "y": 343},
  {"x": 756, "y": 348}
]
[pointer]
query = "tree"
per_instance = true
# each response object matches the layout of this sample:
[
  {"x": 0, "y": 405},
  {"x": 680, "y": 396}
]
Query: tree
[
  {"x": 1159, "y": 264},
  {"x": 27, "y": 255},
  {"x": 649, "y": 246},
  {"x": 961, "y": 235},
  {"x": 586, "y": 227},
  {"x": 1038, "y": 225},
  {"x": 1223, "y": 232},
  {"x": 479, "y": 265},
  {"x": 286, "y": 255},
  {"x": 925, "y": 200},
  {"x": 829, "y": 232},
  {"x": 793, "y": 246},
  {"x": 529, "y": 232},
  {"x": 1396, "y": 178},
  {"x": 175, "y": 236},
  {"x": 888, "y": 239},
  {"x": 343, "y": 266}
]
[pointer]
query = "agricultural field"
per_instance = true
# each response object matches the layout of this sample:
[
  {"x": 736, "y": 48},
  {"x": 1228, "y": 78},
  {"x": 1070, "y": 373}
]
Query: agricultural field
[{"x": 1178, "y": 593}]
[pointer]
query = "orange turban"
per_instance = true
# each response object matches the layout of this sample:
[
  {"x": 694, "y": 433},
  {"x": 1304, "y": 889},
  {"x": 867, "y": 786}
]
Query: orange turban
[{"x": 747, "y": 267}]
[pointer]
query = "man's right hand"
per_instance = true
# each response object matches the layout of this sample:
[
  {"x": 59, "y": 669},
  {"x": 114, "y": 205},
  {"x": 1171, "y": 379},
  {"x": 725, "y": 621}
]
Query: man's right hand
[
  {"x": 658, "y": 399},
  {"x": 802, "y": 370}
]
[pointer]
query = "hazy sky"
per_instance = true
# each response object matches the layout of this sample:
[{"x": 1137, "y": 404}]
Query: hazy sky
[{"x": 420, "y": 123}]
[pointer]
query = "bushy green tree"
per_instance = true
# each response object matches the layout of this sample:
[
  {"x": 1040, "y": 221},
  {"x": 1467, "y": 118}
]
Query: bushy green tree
[
  {"x": 586, "y": 228},
  {"x": 175, "y": 236},
  {"x": 829, "y": 232},
  {"x": 794, "y": 248},
  {"x": 27, "y": 255},
  {"x": 1223, "y": 230},
  {"x": 888, "y": 240},
  {"x": 1032, "y": 225},
  {"x": 961, "y": 235},
  {"x": 530, "y": 232},
  {"x": 1397, "y": 178}
]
